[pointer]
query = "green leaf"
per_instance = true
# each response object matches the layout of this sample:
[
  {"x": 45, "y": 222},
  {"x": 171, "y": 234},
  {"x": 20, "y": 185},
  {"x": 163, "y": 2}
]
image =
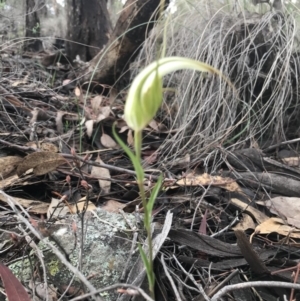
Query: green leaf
[{"x": 149, "y": 271}]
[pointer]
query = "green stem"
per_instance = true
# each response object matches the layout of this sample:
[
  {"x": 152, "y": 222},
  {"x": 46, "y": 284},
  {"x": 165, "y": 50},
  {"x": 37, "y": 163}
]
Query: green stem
[
  {"x": 138, "y": 144},
  {"x": 148, "y": 215}
]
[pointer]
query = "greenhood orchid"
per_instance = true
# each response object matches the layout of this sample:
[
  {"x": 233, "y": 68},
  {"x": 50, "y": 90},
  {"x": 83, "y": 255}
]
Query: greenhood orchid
[
  {"x": 143, "y": 101},
  {"x": 145, "y": 94}
]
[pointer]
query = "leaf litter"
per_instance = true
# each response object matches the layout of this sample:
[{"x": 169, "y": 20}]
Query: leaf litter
[{"x": 222, "y": 211}]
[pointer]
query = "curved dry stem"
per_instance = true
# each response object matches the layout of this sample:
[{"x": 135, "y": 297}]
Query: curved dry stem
[{"x": 250, "y": 284}]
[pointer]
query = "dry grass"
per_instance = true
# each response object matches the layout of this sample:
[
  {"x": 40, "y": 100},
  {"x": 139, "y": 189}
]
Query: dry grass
[
  {"x": 12, "y": 25},
  {"x": 259, "y": 53}
]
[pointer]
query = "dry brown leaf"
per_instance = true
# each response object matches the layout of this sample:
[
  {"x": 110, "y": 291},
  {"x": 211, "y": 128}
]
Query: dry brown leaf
[
  {"x": 8, "y": 182},
  {"x": 277, "y": 225},
  {"x": 82, "y": 205},
  {"x": 66, "y": 81},
  {"x": 32, "y": 144},
  {"x": 14, "y": 180},
  {"x": 294, "y": 221},
  {"x": 89, "y": 127},
  {"x": 182, "y": 162},
  {"x": 123, "y": 129},
  {"x": 121, "y": 124},
  {"x": 20, "y": 82},
  {"x": 113, "y": 206},
  {"x": 45, "y": 146},
  {"x": 285, "y": 207},
  {"x": 206, "y": 179},
  {"x": 113, "y": 94},
  {"x": 77, "y": 92},
  {"x": 59, "y": 121},
  {"x": 38, "y": 115},
  {"x": 103, "y": 113},
  {"x": 130, "y": 138},
  {"x": 108, "y": 142},
  {"x": 246, "y": 223},
  {"x": 96, "y": 104},
  {"x": 162, "y": 127},
  {"x": 292, "y": 161},
  {"x": 99, "y": 172},
  {"x": 41, "y": 162},
  {"x": 154, "y": 125},
  {"x": 8, "y": 165},
  {"x": 34, "y": 116},
  {"x": 57, "y": 208},
  {"x": 13, "y": 287},
  {"x": 32, "y": 206},
  {"x": 49, "y": 147},
  {"x": 152, "y": 158},
  {"x": 48, "y": 166},
  {"x": 258, "y": 215}
]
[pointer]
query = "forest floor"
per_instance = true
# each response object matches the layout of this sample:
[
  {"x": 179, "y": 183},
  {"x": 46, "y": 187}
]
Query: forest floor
[{"x": 232, "y": 224}]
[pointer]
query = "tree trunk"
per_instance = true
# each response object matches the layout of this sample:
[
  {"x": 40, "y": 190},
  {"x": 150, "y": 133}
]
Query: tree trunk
[
  {"x": 88, "y": 28},
  {"x": 32, "y": 34},
  {"x": 135, "y": 22}
]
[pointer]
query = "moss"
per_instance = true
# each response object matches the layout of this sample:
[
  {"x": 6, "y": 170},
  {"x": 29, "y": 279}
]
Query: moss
[{"x": 53, "y": 267}]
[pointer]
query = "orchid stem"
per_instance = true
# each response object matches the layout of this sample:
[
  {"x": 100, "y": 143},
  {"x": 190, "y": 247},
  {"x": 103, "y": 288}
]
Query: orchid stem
[{"x": 147, "y": 214}]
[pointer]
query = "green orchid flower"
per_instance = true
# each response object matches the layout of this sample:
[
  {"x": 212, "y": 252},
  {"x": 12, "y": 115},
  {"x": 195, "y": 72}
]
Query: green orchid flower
[{"x": 145, "y": 94}]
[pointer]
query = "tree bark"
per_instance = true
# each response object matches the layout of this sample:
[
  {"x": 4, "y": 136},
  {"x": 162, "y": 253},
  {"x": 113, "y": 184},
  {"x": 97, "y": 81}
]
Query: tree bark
[
  {"x": 88, "y": 28},
  {"x": 135, "y": 22},
  {"x": 32, "y": 33}
]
